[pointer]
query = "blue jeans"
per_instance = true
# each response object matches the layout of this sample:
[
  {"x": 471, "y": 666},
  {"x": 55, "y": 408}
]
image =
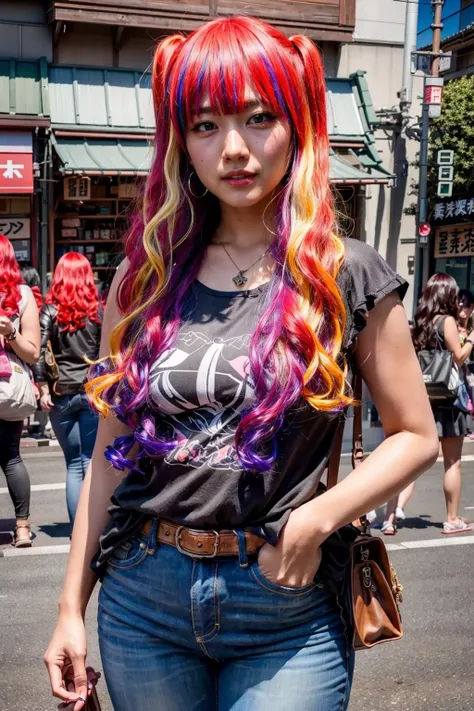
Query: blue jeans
[
  {"x": 178, "y": 634},
  {"x": 75, "y": 425}
]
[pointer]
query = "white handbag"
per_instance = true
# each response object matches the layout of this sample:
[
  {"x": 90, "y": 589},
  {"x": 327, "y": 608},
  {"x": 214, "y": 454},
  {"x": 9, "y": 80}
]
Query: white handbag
[{"x": 17, "y": 395}]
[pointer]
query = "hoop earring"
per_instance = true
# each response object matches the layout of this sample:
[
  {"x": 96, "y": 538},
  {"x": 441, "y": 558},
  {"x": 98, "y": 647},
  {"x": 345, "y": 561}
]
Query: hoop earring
[{"x": 198, "y": 197}]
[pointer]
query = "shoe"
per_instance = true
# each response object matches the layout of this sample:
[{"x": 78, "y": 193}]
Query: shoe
[
  {"x": 23, "y": 535},
  {"x": 371, "y": 516},
  {"x": 459, "y": 527},
  {"x": 389, "y": 529},
  {"x": 400, "y": 513}
]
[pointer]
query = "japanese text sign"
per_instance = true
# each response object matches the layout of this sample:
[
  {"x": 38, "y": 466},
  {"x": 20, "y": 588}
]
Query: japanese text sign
[
  {"x": 16, "y": 173},
  {"x": 15, "y": 227},
  {"x": 454, "y": 241},
  {"x": 453, "y": 209},
  {"x": 77, "y": 188}
]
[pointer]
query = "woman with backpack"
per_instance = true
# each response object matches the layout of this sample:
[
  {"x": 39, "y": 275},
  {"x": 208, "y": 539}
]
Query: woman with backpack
[
  {"x": 19, "y": 342},
  {"x": 70, "y": 330},
  {"x": 436, "y": 326}
]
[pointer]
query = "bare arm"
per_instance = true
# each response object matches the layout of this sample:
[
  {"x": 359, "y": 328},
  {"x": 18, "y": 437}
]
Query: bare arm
[
  {"x": 68, "y": 644},
  {"x": 27, "y": 343},
  {"x": 100, "y": 482},
  {"x": 389, "y": 366},
  {"x": 387, "y": 361},
  {"x": 453, "y": 343}
]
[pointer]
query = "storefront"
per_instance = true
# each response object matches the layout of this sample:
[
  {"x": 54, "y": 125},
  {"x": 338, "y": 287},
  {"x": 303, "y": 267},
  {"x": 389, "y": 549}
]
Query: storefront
[
  {"x": 453, "y": 241},
  {"x": 24, "y": 121}
]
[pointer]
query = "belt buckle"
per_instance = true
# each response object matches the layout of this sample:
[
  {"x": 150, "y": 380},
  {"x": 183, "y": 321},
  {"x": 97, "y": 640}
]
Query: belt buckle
[{"x": 197, "y": 555}]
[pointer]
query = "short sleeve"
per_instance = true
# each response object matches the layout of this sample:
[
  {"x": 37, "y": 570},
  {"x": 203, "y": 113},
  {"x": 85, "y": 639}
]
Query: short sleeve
[{"x": 364, "y": 279}]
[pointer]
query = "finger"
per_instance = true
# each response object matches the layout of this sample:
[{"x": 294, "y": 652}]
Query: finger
[
  {"x": 57, "y": 684},
  {"x": 80, "y": 681}
]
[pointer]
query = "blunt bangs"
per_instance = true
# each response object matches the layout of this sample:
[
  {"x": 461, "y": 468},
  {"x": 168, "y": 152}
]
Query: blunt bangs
[{"x": 222, "y": 64}]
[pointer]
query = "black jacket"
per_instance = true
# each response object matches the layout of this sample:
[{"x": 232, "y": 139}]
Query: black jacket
[{"x": 69, "y": 350}]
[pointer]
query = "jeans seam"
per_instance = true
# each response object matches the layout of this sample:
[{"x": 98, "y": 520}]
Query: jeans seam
[
  {"x": 209, "y": 636},
  {"x": 346, "y": 683}
]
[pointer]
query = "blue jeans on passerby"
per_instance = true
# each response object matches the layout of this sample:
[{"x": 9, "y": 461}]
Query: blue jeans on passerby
[
  {"x": 183, "y": 634},
  {"x": 75, "y": 425}
]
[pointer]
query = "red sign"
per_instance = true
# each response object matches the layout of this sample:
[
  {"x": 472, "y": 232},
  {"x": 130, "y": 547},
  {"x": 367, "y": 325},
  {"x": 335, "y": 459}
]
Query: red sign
[
  {"x": 433, "y": 94},
  {"x": 16, "y": 173}
]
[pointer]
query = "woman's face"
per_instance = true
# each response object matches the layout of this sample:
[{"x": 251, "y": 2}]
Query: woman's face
[
  {"x": 240, "y": 158},
  {"x": 465, "y": 311}
]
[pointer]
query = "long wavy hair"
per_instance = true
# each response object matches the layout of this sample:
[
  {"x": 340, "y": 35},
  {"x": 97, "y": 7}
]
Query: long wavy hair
[
  {"x": 10, "y": 279},
  {"x": 440, "y": 297},
  {"x": 74, "y": 292},
  {"x": 296, "y": 348},
  {"x": 32, "y": 279}
]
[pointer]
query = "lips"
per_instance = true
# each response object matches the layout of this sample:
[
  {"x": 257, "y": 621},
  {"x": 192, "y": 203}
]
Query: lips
[{"x": 239, "y": 178}]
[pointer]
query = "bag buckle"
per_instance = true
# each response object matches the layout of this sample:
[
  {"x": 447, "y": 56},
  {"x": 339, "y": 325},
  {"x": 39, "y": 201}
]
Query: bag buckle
[{"x": 213, "y": 554}]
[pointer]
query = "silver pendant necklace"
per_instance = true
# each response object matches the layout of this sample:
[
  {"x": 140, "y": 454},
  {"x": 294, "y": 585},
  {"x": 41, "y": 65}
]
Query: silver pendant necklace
[{"x": 240, "y": 279}]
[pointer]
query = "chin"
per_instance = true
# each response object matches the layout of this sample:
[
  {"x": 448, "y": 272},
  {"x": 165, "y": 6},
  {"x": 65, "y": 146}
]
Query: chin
[{"x": 236, "y": 198}]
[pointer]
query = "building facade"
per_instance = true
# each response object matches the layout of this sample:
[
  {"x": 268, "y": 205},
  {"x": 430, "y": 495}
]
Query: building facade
[{"x": 88, "y": 69}]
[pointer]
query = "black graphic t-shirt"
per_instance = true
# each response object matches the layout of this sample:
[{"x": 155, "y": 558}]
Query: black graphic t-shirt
[{"x": 201, "y": 388}]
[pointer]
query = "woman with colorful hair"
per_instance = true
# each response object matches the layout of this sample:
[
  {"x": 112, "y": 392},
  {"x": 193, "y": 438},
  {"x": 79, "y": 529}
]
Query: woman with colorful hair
[
  {"x": 20, "y": 337},
  {"x": 230, "y": 336},
  {"x": 436, "y": 326},
  {"x": 71, "y": 323}
]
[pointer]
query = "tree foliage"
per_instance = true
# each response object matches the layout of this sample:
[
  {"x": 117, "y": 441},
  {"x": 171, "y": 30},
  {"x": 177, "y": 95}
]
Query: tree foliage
[{"x": 453, "y": 130}]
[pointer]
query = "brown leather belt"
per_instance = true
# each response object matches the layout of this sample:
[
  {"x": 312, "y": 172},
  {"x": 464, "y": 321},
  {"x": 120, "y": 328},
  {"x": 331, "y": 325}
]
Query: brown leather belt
[{"x": 204, "y": 544}]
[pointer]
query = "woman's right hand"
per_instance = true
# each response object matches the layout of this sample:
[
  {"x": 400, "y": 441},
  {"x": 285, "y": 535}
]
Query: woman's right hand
[
  {"x": 68, "y": 648},
  {"x": 46, "y": 403}
]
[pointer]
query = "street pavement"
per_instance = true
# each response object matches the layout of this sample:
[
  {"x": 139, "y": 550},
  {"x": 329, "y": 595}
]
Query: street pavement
[{"x": 429, "y": 670}]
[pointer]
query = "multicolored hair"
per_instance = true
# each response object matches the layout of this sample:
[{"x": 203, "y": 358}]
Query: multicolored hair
[
  {"x": 10, "y": 279},
  {"x": 295, "y": 351},
  {"x": 74, "y": 293}
]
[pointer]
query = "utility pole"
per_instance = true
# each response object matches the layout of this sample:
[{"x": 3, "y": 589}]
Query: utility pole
[{"x": 421, "y": 258}]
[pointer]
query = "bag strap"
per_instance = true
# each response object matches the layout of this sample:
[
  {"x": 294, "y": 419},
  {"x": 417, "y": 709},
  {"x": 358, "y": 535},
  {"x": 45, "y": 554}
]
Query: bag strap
[{"x": 357, "y": 442}]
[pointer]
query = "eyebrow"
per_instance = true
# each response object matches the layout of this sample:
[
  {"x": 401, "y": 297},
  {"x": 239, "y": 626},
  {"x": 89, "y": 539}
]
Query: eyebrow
[{"x": 207, "y": 110}]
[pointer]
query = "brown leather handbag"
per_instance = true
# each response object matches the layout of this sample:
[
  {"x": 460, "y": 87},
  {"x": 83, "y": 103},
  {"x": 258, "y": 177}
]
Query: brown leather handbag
[
  {"x": 51, "y": 368},
  {"x": 375, "y": 592}
]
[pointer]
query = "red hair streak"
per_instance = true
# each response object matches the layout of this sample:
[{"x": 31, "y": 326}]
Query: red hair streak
[{"x": 10, "y": 279}]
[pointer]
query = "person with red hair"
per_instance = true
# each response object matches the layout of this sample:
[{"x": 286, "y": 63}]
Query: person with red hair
[
  {"x": 231, "y": 335},
  {"x": 71, "y": 323},
  {"x": 20, "y": 336}
]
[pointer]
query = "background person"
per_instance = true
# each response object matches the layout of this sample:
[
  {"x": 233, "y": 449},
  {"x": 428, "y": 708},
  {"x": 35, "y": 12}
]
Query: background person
[
  {"x": 20, "y": 334},
  {"x": 71, "y": 322},
  {"x": 435, "y": 324}
]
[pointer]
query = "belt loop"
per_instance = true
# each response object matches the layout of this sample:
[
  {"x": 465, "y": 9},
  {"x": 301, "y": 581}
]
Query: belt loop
[
  {"x": 243, "y": 560},
  {"x": 153, "y": 541}
]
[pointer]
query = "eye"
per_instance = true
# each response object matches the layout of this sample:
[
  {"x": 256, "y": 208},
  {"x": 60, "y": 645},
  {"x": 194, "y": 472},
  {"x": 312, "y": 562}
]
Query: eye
[
  {"x": 262, "y": 118},
  {"x": 203, "y": 127}
]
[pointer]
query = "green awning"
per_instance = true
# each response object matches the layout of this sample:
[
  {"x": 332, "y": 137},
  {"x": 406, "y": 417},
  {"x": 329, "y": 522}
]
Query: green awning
[
  {"x": 357, "y": 167},
  {"x": 103, "y": 156},
  {"x": 24, "y": 88}
]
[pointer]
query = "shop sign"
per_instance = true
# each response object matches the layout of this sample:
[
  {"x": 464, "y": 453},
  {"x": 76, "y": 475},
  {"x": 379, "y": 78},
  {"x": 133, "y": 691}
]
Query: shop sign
[
  {"x": 16, "y": 173},
  {"x": 15, "y": 227},
  {"x": 77, "y": 188},
  {"x": 454, "y": 241},
  {"x": 454, "y": 208}
]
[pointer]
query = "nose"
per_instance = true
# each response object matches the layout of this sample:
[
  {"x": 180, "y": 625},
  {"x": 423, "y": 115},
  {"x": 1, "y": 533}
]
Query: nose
[{"x": 235, "y": 147}]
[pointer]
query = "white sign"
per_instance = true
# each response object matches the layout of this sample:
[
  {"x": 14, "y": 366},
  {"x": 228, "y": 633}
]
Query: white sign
[
  {"x": 445, "y": 172},
  {"x": 15, "y": 227},
  {"x": 445, "y": 61},
  {"x": 454, "y": 208},
  {"x": 445, "y": 157}
]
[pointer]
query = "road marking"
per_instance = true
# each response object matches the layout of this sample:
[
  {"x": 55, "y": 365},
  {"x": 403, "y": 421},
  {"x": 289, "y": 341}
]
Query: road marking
[
  {"x": 431, "y": 543},
  {"x": 41, "y": 550},
  {"x": 40, "y": 487}
]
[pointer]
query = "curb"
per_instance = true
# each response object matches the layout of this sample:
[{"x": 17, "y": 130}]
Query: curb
[{"x": 32, "y": 443}]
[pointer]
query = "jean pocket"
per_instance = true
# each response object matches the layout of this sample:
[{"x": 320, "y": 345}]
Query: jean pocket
[
  {"x": 258, "y": 577},
  {"x": 130, "y": 553}
]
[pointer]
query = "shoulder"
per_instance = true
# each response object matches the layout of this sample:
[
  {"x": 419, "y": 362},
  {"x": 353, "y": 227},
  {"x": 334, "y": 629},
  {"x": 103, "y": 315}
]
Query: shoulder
[{"x": 364, "y": 279}]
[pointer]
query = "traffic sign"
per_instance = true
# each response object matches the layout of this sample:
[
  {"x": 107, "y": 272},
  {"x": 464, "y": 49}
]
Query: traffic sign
[
  {"x": 445, "y": 157},
  {"x": 445, "y": 189},
  {"x": 446, "y": 172}
]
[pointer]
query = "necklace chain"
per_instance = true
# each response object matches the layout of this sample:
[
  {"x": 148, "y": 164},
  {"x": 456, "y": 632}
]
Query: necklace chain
[{"x": 240, "y": 278}]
